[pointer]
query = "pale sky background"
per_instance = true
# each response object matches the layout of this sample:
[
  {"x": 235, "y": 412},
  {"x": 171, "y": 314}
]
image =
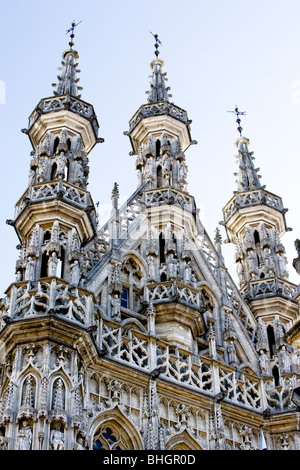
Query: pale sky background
[{"x": 218, "y": 54}]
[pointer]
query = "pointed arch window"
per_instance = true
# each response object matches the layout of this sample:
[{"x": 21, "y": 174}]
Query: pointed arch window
[
  {"x": 159, "y": 176},
  {"x": 256, "y": 237},
  {"x": 44, "y": 265},
  {"x": 53, "y": 171},
  {"x": 109, "y": 438},
  {"x": 61, "y": 265},
  {"x": 157, "y": 148},
  {"x": 124, "y": 297},
  {"x": 58, "y": 395},
  {"x": 56, "y": 142},
  {"x": 271, "y": 340},
  {"x": 131, "y": 275},
  {"x": 276, "y": 376},
  {"x": 28, "y": 392},
  {"x": 162, "y": 243}
]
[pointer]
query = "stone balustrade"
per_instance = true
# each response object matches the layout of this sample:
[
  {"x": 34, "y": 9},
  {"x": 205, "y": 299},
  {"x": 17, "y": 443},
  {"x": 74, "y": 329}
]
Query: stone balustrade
[
  {"x": 52, "y": 190},
  {"x": 251, "y": 198}
]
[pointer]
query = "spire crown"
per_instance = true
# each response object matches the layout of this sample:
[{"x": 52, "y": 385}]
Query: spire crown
[
  {"x": 158, "y": 90},
  {"x": 248, "y": 179},
  {"x": 67, "y": 79}
]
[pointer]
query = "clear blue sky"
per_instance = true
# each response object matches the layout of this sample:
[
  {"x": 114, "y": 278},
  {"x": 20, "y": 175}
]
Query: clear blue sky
[{"x": 218, "y": 54}]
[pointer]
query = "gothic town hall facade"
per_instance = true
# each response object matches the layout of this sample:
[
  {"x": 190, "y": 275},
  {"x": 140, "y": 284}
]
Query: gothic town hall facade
[{"x": 133, "y": 335}]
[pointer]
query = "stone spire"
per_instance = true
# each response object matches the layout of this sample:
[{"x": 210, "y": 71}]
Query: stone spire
[
  {"x": 67, "y": 79},
  {"x": 160, "y": 134},
  {"x": 62, "y": 130},
  {"x": 247, "y": 176},
  {"x": 254, "y": 219},
  {"x": 158, "y": 90}
]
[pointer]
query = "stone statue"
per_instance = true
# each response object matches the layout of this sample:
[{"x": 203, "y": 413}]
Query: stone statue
[
  {"x": 31, "y": 178},
  {"x": 252, "y": 264},
  {"x": 115, "y": 303},
  {"x": 24, "y": 437},
  {"x": 269, "y": 262},
  {"x": 151, "y": 267},
  {"x": 282, "y": 265},
  {"x": 75, "y": 272},
  {"x": 79, "y": 445},
  {"x": 30, "y": 269},
  {"x": 173, "y": 266},
  {"x": 61, "y": 161},
  {"x": 52, "y": 264},
  {"x": 182, "y": 172},
  {"x": 42, "y": 169},
  {"x": 149, "y": 169},
  {"x": 240, "y": 271},
  {"x": 57, "y": 438},
  {"x": 264, "y": 362},
  {"x": 284, "y": 359},
  {"x": 167, "y": 168},
  {"x": 188, "y": 272},
  {"x": 232, "y": 358},
  {"x": 78, "y": 173}
]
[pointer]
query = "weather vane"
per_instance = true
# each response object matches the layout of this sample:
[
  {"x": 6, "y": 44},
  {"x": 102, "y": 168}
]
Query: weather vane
[
  {"x": 157, "y": 43},
  {"x": 72, "y": 35},
  {"x": 238, "y": 113}
]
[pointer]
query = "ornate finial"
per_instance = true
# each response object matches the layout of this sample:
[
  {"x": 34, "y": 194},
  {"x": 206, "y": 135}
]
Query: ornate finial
[
  {"x": 238, "y": 113},
  {"x": 115, "y": 191},
  {"x": 157, "y": 44},
  {"x": 72, "y": 35}
]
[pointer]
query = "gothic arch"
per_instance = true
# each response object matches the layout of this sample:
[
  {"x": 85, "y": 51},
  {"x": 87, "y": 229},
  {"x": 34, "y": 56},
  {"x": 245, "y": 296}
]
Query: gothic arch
[
  {"x": 34, "y": 384},
  {"x": 247, "y": 367},
  {"x": 183, "y": 441},
  {"x": 133, "y": 323},
  {"x": 138, "y": 259},
  {"x": 208, "y": 296},
  {"x": 60, "y": 374},
  {"x": 121, "y": 428},
  {"x": 35, "y": 374}
]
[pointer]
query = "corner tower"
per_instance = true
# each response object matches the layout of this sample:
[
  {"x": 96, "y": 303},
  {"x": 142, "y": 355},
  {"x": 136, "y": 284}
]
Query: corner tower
[
  {"x": 47, "y": 311},
  {"x": 56, "y": 216},
  {"x": 254, "y": 219},
  {"x": 160, "y": 134}
]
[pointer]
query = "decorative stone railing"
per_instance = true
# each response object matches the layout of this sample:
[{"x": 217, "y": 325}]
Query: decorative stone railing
[
  {"x": 48, "y": 296},
  {"x": 168, "y": 291},
  {"x": 244, "y": 391},
  {"x": 269, "y": 288},
  {"x": 52, "y": 190},
  {"x": 142, "y": 351},
  {"x": 58, "y": 103},
  {"x": 184, "y": 367},
  {"x": 157, "y": 109},
  {"x": 169, "y": 196},
  {"x": 251, "y": 198},
  {"x": 131, "y": 348},
  {"x": 200, "y": 373}
]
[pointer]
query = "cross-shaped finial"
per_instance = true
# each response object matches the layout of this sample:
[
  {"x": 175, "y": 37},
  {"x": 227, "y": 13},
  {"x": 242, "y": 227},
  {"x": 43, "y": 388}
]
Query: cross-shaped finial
[
  {"x": 238, "y": 113},
  {"x": 72, "y": 35},
  {"x": 157, "y": 43}
]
